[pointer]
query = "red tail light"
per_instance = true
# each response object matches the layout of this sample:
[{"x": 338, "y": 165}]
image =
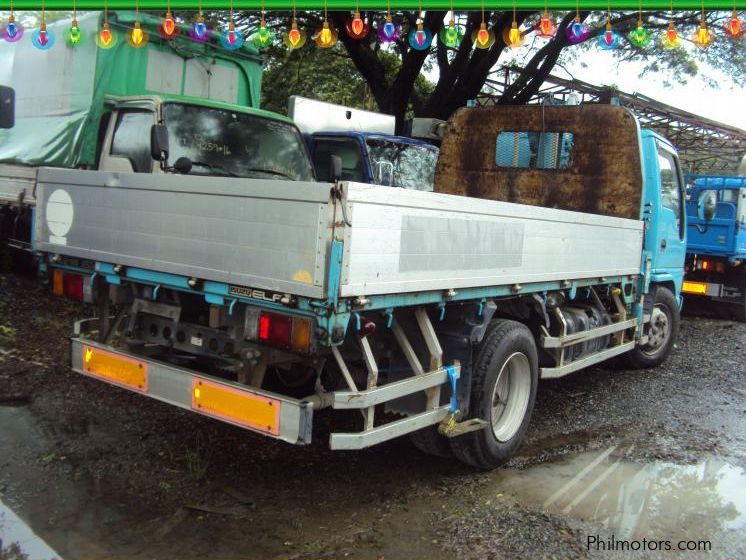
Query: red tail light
[
  {"x": 275, "y": 329},
  {"x": 284, "y": 331},
  {"x": 69, "y": 285}
]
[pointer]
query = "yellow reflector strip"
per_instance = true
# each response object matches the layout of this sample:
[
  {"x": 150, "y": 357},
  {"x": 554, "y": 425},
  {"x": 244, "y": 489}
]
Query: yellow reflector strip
[
  {"x": 236, "y": 406},
  {"x": 126, "y": 372},
  {"x": 301, "y": 337},
  {"x": 694, "y": 288}
]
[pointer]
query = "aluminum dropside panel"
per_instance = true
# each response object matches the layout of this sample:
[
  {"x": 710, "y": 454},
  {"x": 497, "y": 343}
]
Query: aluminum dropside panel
[
  {"x": 265, "y": 234},
  {"x": 410, "y": 241}
]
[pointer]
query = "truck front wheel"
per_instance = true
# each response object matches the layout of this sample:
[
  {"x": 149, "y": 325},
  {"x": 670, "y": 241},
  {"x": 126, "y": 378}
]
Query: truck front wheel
[
  {"x": 661, "y": 331},
  {"x": 504, "y": 380}
]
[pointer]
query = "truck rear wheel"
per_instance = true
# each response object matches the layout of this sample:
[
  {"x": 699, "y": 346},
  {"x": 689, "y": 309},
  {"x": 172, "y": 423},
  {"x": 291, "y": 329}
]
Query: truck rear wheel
[
  {"x": 662, "y": 331},
  {"x": 504, "y": 380},
  {"x": 430, "y": 442},
  {"x": 738, "y": 309}
]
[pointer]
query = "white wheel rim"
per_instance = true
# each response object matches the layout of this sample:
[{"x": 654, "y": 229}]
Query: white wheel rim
[
  {"x": 510, "y": 396},
  {"x": 658, "y": 332}
]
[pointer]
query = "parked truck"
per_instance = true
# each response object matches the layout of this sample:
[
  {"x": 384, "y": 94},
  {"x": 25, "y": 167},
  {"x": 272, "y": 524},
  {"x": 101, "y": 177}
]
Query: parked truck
[
  {"x": 366, "y": 144},
  {"x": 92, "y": 108},
  {"x": 716, "y": 242},
  {"x": 263, "y": 303}
]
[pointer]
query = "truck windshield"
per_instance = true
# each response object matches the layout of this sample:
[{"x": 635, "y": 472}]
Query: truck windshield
[
  {"x": 413, "y": 166},
  {"x": 223, "y": 142}
]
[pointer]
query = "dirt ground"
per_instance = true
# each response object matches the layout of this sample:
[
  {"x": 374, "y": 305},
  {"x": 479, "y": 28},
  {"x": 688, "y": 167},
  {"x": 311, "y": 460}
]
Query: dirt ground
[{"x": 98, "y": 472}]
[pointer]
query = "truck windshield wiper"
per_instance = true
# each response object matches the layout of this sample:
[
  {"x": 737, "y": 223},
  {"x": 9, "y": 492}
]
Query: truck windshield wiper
[
  {"x": 212, "y": 166},
  {"x": 270, "y": 171}
]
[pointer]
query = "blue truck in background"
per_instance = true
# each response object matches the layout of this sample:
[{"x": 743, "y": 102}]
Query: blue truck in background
[
  {"x": 376, "y": 159},
  {"x": 716, "y": 245}
]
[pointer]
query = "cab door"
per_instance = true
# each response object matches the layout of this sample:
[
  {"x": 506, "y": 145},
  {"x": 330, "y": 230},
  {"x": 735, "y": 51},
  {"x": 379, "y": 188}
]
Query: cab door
[{"x": 669, "y": 220}]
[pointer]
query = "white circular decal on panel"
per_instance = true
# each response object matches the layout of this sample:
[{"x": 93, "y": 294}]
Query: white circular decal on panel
[{"x": 60, "y": 213}]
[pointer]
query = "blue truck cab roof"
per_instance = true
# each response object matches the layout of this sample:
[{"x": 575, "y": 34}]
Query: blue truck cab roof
[{"x": 364, "y": 136}]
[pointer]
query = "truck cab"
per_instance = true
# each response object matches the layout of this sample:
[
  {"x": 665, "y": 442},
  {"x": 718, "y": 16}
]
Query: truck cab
[
  {"x": 716, "y": 246},
  {"x": 379, "y": 159},
  {"x": 663, "y": 211},
  {"x": 209, "y": 137}
]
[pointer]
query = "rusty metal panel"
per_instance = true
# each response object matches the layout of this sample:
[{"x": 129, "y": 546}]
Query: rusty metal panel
[{"x": 605, "y": 171}]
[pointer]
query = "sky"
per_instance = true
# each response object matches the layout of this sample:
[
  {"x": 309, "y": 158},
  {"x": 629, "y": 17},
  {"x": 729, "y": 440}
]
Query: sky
[{"x": 724, "y": 104}]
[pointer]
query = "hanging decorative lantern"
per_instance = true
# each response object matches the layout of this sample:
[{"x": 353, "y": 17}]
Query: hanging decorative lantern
[
  {"x": 13, "y": 31},
  {"x": 389, "y": 32},
  {"x": 106, "y": 38},
  {"x": 483, "y": 38},
  {"x": 137, "y": 37},
  {"x": 326, "y": 37},
  {"x": 295, "y": 38},
  {"x": 356, "y": 27},
  {"x": 452, "y": 34},
  {"x": 671, "y": 37},
  {"x": 199, "y": 32},
  {"x": 639, "y": 36},
  {"x": 262, "y": 37},
  {"x": 74, "y": 36},
  {"x": 733, "y": 27},
  {"x": 609, "y": 39},
  {"x": 168, "y": 29},
  {"x": 546, "y": 28},
  {"x": 577, "y": 31},
  {"x": 702, "y": 37},
  {"x": 420, "y": 38},
  {"x": 43, "y": 38},
  {"x": 231, "y": 39}
]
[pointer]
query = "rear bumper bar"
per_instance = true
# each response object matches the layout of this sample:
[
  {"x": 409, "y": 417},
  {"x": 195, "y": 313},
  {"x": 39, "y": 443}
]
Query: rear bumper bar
[{"x": 175, "y": 385}]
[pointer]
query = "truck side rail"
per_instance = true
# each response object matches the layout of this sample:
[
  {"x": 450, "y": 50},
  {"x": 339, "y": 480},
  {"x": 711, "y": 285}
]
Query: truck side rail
[{"x": 260, "y": 233}]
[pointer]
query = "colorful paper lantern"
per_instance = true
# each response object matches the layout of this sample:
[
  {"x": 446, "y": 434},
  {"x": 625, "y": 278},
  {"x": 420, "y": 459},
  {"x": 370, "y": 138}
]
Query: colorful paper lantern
[
  {"x": 639, "y": 36},
  {"x": 326, "y": 37},
  {"x": 513, "y": 37},
  {"x": 13, "y": 31},
  {"x": 577, "y": 31},
  {"x": 262, "y": 37},
  {"x": 231, "y": 39},
  {"x": 74, "y": 35},
  {"x": 137, "y": 37},
  {"x": 671, "y": 38},
  {"x": 200, "y": 31},
  {"x": 702, "y": 37},
  {"x": 43, "y": 38},
  {"x": 295, "y": 38},
  {"x": 106, "y": 38},
  {"x": 420, "y": 38},
  {"x": 356, "y": 27},
  {"x": 451, "y": 35},
  {"x": 389, "y": 32},
  {"x": 546, "y": 28},
  {"x": 483, "y": 38},
  {"x": 733, "y": 27},
  {"x": 609, "y": 39},
  {"x": 168, "y": 29}
]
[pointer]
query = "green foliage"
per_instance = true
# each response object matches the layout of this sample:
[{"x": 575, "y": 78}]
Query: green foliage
[{"x": 323, "y": 74}]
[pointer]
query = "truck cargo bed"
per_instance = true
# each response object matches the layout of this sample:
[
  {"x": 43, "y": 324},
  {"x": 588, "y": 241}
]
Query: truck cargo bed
[{"x": 276, "y": 235}]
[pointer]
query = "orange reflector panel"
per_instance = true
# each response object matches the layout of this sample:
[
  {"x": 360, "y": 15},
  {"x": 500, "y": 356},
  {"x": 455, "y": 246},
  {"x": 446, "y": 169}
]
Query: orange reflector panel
[
  {"x": 694, "y": 288},
  {"x": 58, "y": 287},
  {"x": 127, "y": 372},
  {"x": 236, "y": 406},
  {"x": 301, "y": 338}
]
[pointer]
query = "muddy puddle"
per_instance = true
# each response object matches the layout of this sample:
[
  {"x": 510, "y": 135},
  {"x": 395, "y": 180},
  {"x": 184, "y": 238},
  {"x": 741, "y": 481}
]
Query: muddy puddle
[{"x": 632, "y": 500}]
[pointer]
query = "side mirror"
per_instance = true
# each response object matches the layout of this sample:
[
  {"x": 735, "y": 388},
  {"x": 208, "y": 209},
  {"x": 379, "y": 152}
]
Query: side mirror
[
  {"x": 707, "y": 205},
  {"x": 159, "y": 142},
  {"x": 183, "y": 165},
  {"x": 7, "y": 107},
  {"x": 335, "y": 168},
  {"x": 383, "y": 174}
]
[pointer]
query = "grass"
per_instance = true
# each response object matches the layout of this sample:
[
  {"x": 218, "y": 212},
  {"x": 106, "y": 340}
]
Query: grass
[
  {"x": 196, "y": 460},
  {"x": 7, "y": 335}
]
